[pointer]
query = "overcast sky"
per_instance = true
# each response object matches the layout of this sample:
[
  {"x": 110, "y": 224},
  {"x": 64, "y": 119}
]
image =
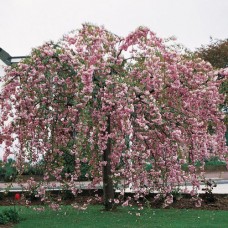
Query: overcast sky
[{"x": 25, "y": 24}]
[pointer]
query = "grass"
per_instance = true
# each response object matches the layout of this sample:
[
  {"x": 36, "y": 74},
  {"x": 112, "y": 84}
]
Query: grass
[{"x": 123, "y": 217}]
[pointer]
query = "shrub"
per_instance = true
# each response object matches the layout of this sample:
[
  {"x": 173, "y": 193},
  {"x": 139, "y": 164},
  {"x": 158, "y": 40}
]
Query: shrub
[
  {"x": 214, "y": 161},
  {"x": 209, "y": 197},
  {"x": 8, "y": 170},
  {"x": 3, "y": 219},
  {"x": 12, "y": 215},
  {"x": 34, "y": 169},
  {"x": 211, "y": 164},
  {"x": 9, "y": 215},
  {"x": 85, "y": 169}
]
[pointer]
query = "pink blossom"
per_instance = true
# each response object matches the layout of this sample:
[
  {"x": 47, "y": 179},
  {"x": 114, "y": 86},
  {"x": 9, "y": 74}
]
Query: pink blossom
[{"x": 94, "y": 92}]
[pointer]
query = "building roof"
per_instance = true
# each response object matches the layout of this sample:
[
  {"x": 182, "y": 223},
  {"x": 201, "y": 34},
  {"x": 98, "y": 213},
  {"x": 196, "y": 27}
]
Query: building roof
[
  {"x": 5, "y": 57},
  {"x": 8, "y": 59}
]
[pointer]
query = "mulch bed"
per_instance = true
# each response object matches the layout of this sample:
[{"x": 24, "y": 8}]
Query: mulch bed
[{"x": 220, "y": 202}]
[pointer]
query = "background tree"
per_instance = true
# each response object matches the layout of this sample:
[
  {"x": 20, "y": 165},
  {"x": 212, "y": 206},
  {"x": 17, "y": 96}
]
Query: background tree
[
  {"x": 215, "y": 53},
  {"x": 116, "y": 104}
]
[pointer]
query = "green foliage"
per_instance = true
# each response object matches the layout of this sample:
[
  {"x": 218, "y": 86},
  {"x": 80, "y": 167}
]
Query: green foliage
[
  {"x": 227, "y": 136},
  {"x": 215, "y": 164},
  {"x": 85, "y": 169},
  {"x": 9, "y": 215},
  {"x": 12, "y": 215},
  {"x": 211, "y": 164},
  {"x": 215, "y": 161},
  {"x": 34, "y": 169},
  {"x": 67, "y": 195},
  {"x": 148, "y": 167},
  {"x": 209, "y": 197},
  {"x": 68, "y": 161},
  {"x": 176, "y": 193},
  {"x": 216, "y": 53},
  {"x": 3, "y": 219},
  {"x": 8, "y": 170},
  {"x": 1, "y": 195}
]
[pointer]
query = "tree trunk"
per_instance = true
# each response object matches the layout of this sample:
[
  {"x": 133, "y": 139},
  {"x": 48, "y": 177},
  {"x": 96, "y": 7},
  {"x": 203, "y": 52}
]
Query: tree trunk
[{"x": 108, "y": 189}]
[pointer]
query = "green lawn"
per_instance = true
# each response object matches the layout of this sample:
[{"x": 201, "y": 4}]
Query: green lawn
[{"x": 95, "y": 217}]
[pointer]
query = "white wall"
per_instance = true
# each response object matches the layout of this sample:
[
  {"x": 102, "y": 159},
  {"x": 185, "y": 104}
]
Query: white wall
[{"x": 1, "y": 68}]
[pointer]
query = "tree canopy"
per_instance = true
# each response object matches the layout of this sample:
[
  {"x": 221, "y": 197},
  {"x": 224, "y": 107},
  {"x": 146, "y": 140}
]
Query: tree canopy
[{"x": 116, "y": 104}]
